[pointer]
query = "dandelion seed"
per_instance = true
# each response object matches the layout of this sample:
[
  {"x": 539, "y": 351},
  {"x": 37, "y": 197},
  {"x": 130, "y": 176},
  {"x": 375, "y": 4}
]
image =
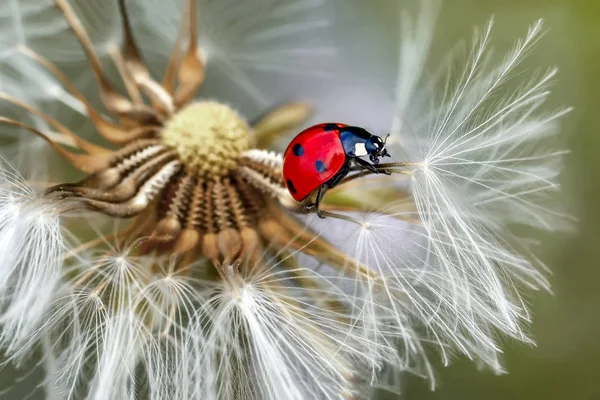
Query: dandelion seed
[
  {"x": 30, "y": 260},
  {"x": 477, "y": 163},
  {"x": 273, "y": 338}
]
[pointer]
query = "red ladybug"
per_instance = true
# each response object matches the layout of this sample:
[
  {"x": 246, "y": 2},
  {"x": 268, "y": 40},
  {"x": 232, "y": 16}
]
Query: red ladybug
[{"x": 322, "y": 155}]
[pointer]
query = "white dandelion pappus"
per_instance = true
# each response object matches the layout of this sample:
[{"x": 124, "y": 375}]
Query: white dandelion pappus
[
  {"x": 391, "y": 308},
  {"x": 113, "y": 319},
  {"x": 479, "y": 161},
  {"x": 31, "y": 249},
  {"x": 172, "y": 349},
  {"x": 115, "y": 371},
  {"x": 258, "y": 336},
  {"x": 85, "y": 321},
  {"x": 269, "y": 338}
]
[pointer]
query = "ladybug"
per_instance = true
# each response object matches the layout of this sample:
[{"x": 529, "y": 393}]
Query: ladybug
[{"x": 319, "y": 158}]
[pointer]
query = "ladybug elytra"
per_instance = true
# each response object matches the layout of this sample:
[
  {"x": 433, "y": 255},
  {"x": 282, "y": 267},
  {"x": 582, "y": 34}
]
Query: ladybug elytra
[{"x": 319, "y": 158}]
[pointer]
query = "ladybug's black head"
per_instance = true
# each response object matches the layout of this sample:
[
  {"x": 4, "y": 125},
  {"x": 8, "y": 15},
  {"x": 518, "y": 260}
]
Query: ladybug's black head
[{"x": 375, "y": 146}]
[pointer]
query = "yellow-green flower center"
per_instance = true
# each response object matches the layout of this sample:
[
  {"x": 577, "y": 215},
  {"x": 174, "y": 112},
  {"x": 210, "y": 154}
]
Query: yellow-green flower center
[{"x": 209, "y": 137}]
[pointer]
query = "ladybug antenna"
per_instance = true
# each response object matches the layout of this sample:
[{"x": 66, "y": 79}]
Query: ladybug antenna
[{"x": 385, "y": 152}]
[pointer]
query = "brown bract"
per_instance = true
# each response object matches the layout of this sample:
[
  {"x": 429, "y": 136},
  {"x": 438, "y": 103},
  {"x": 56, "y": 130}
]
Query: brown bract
[{"x": 188, "y": 174}]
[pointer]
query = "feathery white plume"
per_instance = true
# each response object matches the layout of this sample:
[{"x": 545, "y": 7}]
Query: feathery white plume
[
  {"x": 267, "y": 337},
  {"x": 478, "y": 162},
  {"x": 31, "y": 248}
]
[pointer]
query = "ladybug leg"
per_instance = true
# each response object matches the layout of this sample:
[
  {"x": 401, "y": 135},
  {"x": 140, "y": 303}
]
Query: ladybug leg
[
  {"x": 370, "y": 167},
  {"x": 320, "y": 193},
  {"x": 334, "y": 181},
  {"x": 366, "y": 165},
  {"x": 337, "y": 178}
]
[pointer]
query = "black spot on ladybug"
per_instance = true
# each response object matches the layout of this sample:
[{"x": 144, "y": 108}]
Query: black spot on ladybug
[
  {"x": 298, "y": 150},
  {"x": 330, "y": 127},
  {"x": 320, "y": 166},
  {"x": 291, "y": 186}
]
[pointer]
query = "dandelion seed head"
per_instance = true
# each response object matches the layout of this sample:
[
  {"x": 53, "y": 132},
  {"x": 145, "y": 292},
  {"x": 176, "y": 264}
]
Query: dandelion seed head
[{"x": 210, "y": 137}]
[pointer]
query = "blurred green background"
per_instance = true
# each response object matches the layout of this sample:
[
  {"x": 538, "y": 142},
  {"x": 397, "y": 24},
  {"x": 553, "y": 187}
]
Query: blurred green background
[{"x": 565, "y": 362}]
